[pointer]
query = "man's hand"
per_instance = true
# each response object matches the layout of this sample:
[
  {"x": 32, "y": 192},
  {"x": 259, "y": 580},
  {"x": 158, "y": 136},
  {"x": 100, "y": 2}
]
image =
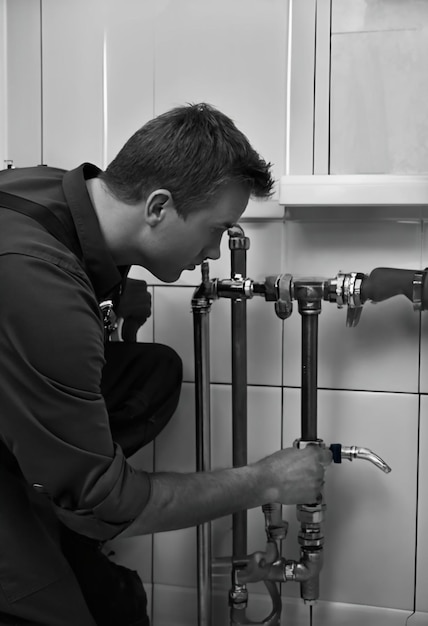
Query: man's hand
[
  {"x": 289, "y": 476},
  {"x": 134, "y": 307},
  {"x": 295, "y": 476}
]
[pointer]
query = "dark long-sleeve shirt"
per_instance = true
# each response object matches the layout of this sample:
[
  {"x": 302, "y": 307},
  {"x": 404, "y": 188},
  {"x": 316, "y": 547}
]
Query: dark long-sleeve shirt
[{"x": 53, "y": 417}]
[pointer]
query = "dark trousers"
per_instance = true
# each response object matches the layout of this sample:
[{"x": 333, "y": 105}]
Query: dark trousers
[{"x": 141, "y": 385}]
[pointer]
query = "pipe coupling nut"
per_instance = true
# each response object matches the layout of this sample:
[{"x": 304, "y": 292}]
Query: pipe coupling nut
[
  {"x": 238, "y": 596},
  {"x": 310, "y": 514}
]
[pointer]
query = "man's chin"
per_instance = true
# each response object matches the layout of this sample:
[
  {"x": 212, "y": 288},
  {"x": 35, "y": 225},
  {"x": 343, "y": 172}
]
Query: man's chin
[{"x": 172, "y": 277}]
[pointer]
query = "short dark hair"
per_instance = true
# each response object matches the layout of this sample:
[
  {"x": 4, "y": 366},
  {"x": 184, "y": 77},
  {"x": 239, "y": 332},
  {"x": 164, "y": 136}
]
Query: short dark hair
[{"x": 191, "y": 150}]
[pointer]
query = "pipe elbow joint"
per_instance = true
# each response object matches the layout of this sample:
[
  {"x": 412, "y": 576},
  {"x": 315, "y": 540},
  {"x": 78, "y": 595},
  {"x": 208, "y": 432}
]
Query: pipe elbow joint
[{"x": 308, "y": 567}]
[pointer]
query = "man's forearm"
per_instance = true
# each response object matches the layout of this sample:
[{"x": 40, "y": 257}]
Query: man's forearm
[
  {"x": 183, "y": 500},
  {"x": 287, "y": 476}
]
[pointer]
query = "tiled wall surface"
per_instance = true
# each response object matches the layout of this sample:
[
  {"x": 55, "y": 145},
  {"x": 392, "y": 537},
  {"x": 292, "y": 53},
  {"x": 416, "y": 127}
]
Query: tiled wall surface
[{"x": 139, "y": 60}]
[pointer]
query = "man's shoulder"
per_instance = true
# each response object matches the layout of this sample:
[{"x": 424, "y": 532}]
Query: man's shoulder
[
  {"x": 18, "y": 175},
  {"x": 40, "y": 184},
  {"x": 23, "y": 236}
]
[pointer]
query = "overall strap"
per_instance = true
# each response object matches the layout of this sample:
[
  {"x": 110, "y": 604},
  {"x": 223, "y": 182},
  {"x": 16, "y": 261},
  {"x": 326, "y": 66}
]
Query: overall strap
[{"x": 44, "y": 216}]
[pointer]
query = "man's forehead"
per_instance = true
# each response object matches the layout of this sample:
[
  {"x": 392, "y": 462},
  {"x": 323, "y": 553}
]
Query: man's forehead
[{"x": 231, "y": 203}]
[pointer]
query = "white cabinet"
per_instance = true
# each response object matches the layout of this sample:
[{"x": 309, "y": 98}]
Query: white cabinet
[{"x": 22, "y": 79}]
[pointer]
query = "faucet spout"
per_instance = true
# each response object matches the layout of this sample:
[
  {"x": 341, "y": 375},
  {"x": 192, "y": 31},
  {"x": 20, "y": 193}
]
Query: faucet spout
[{"x": 355, "y": 452}]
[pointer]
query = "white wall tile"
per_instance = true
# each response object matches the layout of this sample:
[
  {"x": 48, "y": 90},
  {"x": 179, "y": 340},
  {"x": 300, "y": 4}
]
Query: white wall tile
[
  {"x": 324, "y": 248},
  {"x": 264, "y": 256},
  {"x": 367, "y": 510},
  {"x": 221, "y": 426},
  {"x": 174, "y": 552},
  {"x": 173, "y": 323},
  {"x": 135, "y": 553},
  {"x": 264, "y": 332},
  {"x": 382, "y": 352},
  {"x": 174, "y": 558},
  {"x": 207, "y": 52},
  {"x": 146, "y": 331},
  {"x": 174, "y": 605},
  {"x": 422, "y": 557},
  {"x": 175, "y": 445},
  {"x": 264, "y": 423},
  {"x": 264, "y": 344}
]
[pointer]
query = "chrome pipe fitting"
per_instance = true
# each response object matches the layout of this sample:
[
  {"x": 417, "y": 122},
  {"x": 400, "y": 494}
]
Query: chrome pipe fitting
[
  {"x": 276, "y": 528},
  {"x": 345, "y": 290},
  {"x": 236, "y": 287},
  {"x": 355, "y": 452}
]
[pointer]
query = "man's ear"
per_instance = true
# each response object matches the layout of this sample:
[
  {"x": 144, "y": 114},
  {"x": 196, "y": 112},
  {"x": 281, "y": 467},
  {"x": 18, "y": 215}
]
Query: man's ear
[{"x": 157, "y": 204}]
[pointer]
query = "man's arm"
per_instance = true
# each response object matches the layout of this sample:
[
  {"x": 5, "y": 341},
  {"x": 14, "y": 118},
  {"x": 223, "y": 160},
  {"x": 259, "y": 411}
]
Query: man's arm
[{"x": 288, "y": 476}]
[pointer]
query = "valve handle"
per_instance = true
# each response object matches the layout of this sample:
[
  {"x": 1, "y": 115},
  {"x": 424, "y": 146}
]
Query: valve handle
[{"x": 283, "y": 305}]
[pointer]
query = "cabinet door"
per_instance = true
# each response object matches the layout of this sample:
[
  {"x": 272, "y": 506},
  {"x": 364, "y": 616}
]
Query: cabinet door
[
  {"x": 73, "y": 114},
  {"x": 97, "y": 77},
  {"x": 22, "y": 103}
]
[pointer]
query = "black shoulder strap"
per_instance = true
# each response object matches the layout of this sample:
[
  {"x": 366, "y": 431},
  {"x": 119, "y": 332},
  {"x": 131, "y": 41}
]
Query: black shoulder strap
[{"x": 44, "y": 216}]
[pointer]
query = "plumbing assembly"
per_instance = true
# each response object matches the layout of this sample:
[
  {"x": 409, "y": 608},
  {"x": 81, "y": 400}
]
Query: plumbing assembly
[{"x": 346, "y": 290}]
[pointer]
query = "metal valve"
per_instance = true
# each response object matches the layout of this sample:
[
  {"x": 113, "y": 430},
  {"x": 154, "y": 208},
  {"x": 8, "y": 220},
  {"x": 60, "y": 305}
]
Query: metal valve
[
  {"x": 345, "y": 290},
  {"x": 278, "y": 289}
]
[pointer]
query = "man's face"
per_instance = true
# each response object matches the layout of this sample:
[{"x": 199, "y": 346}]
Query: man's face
[{"x": 184, "y": 244}]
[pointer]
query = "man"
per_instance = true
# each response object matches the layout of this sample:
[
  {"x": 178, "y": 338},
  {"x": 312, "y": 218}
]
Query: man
[{"x": 66, "y": 244}]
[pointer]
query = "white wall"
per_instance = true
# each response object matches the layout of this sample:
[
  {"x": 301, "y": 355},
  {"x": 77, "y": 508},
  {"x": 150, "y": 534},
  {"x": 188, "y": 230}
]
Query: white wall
[{"x": 107, "y": 68}]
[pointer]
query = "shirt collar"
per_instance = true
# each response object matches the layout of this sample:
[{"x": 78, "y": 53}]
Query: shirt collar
[{"x": 100, "y": 266}]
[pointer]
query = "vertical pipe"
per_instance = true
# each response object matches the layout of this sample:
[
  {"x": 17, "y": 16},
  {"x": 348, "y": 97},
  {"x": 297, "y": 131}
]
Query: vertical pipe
[
  {"x": 238, "y": 245},
  {"x": 239, "y": 414},
  {"x": 201, "y": 309},
  {"x": 309, "y": 375}
]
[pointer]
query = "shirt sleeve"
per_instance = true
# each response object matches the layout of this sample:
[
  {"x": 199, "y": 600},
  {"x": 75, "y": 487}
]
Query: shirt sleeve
[{"x": 53, "y": 417}]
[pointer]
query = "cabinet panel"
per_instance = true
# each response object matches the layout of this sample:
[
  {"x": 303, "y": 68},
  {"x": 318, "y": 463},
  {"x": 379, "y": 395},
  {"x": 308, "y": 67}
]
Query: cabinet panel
[
  {"x": 73, "y": 113},
  {"x": 232, "y": 55},
  {"x": 23, "y": 105},
  {"x": 97, "y": 77},
  {"x": 129, "y": 44},
  {"x": 378, "y": 122}
]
